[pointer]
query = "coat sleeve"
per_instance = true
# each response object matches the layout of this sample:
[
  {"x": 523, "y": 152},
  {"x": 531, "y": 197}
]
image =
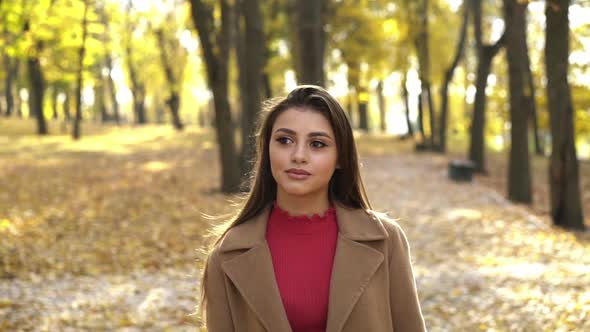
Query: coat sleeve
[
  {"x": 217, "y": 309},
  {"x": 405, "y": 306}
]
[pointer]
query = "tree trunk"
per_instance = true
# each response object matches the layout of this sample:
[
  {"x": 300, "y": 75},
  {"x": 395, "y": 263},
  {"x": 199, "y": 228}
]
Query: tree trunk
[
  {"x": 99, "y": 98},
  {"x": 265, "y": 79},
  {"x": 485, "y": 56},
  {"x": 421, "y": 117},
  {"x": 250, "y": 43},
  {"x": 427, "y": 97},
  {"x": 109, "y": 65},
  {"x": 350, "y": 103},
  {"x": 112, "y": 89},
  {"x": 354, "y": 92},
  {"x": 519, "y": 176},
  {"x": 311, "y": 40},
  {"x": 477, "y": 129},
  {"x": 11, "y": 68},
  {"x": 138, "y": 93},
  {"x": 566, "y": 207},
  {"x": 18, "y": 102},
  {"x": 66, "y": 105},
  {"x": 423, "y": 51},
  {"x": 173, "y": 101},
  {"x": 137, "y": 85},
  {"x": 432, "y": 117},
  {"x": 444, "y": 94},
  {"x": 363, "y": 118},
  {"x": 382, "y": 109},
  {"x": 531, "y": 101},
  {"x": 216, "y": 63},
  {"x": 406, "y": 99},
  {"x": 363, "y": 105},
  {"x": 79, "y": 79},
  {"x": 36, "y": 93},
  {"x": 159, "y": 108},
  {"x": 54, "y": 93},
  {"x": 293, "y": 35},
  {"x": 532, "y": 107},
  {"x": 267, "y": 86}
]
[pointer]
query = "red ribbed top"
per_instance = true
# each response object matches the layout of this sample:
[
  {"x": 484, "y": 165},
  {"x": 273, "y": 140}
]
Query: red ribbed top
[{"x": 302, "y": 250}]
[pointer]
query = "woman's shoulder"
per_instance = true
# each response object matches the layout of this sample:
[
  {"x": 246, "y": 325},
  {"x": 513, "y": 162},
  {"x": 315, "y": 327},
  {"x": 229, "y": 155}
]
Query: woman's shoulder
[
  {"x": 389, "y": 223},
  {"x": 395, "y": 232},
  {"x": 236, "y": 237}
]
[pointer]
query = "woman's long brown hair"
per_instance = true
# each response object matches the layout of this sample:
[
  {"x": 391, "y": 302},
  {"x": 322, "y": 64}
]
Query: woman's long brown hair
[{"x": 346, "y": 186}]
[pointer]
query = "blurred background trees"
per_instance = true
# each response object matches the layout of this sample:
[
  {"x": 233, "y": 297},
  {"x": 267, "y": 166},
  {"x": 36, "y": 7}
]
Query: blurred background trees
[{"x": 468, "y": 76}]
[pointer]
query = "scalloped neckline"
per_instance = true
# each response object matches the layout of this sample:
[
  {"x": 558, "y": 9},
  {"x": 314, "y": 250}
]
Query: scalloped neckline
[{"x": 316, "y": 217}]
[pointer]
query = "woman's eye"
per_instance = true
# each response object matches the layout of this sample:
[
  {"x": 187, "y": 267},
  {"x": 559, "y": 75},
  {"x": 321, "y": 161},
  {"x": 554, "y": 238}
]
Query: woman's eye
[
  {"x": 318, "y": 144},
  {"x": 283, "y": 140}
]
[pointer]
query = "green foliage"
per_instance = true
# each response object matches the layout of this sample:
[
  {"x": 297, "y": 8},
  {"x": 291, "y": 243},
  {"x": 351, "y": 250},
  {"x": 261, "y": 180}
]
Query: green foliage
[
  {"x": 276, "y": 30},
  {"x": 444, "y": 25},
  {"x": 363, "y": 34},
  {"x": 374, "y": 37}
]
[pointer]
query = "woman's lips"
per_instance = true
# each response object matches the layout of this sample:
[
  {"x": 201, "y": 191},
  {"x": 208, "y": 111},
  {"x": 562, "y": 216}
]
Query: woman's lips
[{"x": 297, "y": 174}]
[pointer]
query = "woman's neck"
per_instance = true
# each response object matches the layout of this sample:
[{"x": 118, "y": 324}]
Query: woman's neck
[{"x": 297, "y": 206}]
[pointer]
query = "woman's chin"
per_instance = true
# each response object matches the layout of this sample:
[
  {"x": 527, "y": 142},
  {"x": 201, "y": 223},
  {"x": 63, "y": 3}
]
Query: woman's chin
[{"x": 296, "y": 190}]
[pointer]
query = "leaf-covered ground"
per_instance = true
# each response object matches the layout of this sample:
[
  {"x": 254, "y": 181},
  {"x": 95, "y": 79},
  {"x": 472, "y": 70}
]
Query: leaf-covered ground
[{"x": 103, "y": 234}]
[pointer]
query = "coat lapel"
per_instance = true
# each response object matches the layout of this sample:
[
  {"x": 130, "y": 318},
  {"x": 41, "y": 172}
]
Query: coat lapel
[
  {"x": 252, "y": 272},
  {"x": 253, "y": 275},
  {"x": 354, "y": 263}
]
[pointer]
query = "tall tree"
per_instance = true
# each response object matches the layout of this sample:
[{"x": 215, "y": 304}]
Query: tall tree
[
  {"x": 251, "y": 43},
  {"x": 11, "y": 66},
  {"x": 382, "y": 107},
  {"x": 80, "y": 73},
  {"x": 311, "y": 41},
  {"x": 168, "y": 46},
  {"x": 138, "y": 90},
  {"x": 406, "y": 99},
  {"x": 533, "y": 111},
  {"x": 37, "y": 93},
  {"x": 519, "y": 175},
  {"x": 423, "y": 51},
  {"x": 54, "y": 92},
  {"x": 35, "y": 71},
  {"x": 99, "y": 98},
  {"x": 10, "y": 16},
  {"x": 108, "y": 61},
  {"x": 485, "y": 56},
  {"x": 448, "y": 77},
  {"x": 215, "y": 38},
  {"x": 353, "y": 25},
  {"x": 66, "y": 103},
  {"x": 566, "y": 209}
]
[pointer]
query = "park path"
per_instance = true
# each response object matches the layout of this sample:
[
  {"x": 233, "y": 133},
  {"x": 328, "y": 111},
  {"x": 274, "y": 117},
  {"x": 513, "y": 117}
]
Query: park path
[{"x": 481, "y": 264}]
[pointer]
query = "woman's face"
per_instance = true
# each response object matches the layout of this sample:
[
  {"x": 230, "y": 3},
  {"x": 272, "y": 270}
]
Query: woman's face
[{"x": 303, "y": 153}]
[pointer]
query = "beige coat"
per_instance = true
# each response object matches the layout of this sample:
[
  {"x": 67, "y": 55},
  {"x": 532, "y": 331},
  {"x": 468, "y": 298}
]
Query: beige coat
[{"x": 372, "y": 286}]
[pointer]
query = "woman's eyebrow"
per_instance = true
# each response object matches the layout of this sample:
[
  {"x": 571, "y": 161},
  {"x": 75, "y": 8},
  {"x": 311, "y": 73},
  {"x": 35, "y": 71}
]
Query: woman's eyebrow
[{"x": 312, "y": 134}]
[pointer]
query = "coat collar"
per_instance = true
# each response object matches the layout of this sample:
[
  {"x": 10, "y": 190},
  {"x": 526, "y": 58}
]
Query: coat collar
[
  {"x": 354, "y": 265},
  {"x": 353, "y": 224}
]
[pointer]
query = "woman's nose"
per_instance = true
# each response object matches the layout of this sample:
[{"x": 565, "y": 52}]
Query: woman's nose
[{"x": 299, "y": 154}]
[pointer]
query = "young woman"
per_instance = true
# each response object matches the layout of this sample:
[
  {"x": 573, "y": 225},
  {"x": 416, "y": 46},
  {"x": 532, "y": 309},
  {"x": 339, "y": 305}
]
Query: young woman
[{"x": 305, "y": 253}]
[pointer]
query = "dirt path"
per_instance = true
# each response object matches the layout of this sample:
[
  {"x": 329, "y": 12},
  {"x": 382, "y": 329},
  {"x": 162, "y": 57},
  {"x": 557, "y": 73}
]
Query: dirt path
[{"x": 481, "y": 263}]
